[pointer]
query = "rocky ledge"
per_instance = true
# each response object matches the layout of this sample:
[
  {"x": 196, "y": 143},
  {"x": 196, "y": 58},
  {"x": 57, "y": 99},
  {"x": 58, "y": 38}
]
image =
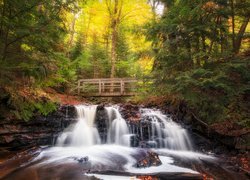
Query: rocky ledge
[{"x": 40, "y": 130}]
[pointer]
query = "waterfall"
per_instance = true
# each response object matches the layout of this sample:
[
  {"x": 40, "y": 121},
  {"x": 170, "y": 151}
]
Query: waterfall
[
  {"x": 102, "y": 140},
  {"x": 155, "y": 130},
  {"x": 84, "y": 132},
  {"x": 118, "y": 132},
  {"x": 163, "y": 132}
]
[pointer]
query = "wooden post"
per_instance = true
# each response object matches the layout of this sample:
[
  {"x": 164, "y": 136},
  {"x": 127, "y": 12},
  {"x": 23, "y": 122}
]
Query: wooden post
[
  {"x": 100, "y": 87},
  {"x": 83, "y": 86},
  {"x": 103, "y": 86},
  {"x": 122, "y": 86}
]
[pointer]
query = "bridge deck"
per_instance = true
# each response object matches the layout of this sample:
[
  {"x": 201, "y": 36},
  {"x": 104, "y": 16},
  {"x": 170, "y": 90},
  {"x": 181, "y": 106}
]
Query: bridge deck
[{"x": 107, "y": 87}]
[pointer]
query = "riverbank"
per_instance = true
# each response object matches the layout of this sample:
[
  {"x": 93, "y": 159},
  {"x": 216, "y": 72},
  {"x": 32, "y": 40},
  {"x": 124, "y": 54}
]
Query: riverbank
[
  {"x": 228, "y": 164},
  {"x": 18, "y": 136}
]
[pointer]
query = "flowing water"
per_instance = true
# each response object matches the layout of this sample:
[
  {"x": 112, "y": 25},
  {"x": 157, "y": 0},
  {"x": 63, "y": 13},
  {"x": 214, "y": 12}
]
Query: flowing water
[
  {"x": 165, "y": 133},
  {"x": 162, "y": 131},
  {"x": 80, "y": 149},
  {"x": 117, "y": 128},
  {"x": 84, "y": 132}
]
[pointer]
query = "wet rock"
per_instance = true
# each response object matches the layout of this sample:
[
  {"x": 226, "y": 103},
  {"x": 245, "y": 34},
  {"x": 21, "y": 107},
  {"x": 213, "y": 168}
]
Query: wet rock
[
  {"x": 135, "y": 141},
  {"x": 40, "y": 130},
  {"x": 82, "y": 160},
  {"x": 151, "y": 159},
  {"x": 101, "y": 121},
  {"x": 130, "y": 112}
]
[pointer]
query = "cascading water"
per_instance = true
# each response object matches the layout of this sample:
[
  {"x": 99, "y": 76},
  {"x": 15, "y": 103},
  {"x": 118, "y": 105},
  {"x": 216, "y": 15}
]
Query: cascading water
[
  {"x": 118, "y": 132},
  {"x": 162, "y": 132},
  {"x": 80, "y": 150},
  {"x": 84, "y": 132}
]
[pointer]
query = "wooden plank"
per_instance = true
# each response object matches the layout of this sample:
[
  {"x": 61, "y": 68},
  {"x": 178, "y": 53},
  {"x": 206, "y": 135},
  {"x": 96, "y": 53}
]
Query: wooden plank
[
  {"x": 108, "y": 94},
  {"x": 109, "y": 80}
]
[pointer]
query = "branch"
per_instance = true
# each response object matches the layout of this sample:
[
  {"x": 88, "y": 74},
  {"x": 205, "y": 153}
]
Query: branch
[
  {"x": 200, "y": 121},
  {"x": 26, "y": 10},
  {"x": 108, "y": 6},
  {"x": 128, "y": 13},
  {"x": 25, "y": 35}
]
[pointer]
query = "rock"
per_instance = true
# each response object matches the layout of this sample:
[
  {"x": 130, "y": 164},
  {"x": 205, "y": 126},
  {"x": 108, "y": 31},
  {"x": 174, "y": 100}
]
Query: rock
[
  {"x": 38, "y": 131},
  {"x": 101, "y": 121},
  {"x": 151, "y": 159},
  {"x": 82, "y": 160}
]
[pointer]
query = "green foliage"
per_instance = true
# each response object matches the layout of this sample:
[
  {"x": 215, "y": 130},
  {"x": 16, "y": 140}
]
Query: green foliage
[
  {"x": 31, "y": 52},
  {"x": 24, "y": 104},
  {"x": 45, "y": 108},
  {"x": 194, "y": 60},
  {"x": 77, "y": 50},
  {"x": 215, "y": 92},
  {"x": 25, "y": 110}
]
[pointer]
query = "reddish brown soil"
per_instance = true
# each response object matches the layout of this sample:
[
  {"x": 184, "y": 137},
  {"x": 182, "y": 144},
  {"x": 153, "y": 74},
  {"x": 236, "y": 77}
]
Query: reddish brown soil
[
  {"x": 64, "y": 99},
  {"x": 230, "y": 128}
]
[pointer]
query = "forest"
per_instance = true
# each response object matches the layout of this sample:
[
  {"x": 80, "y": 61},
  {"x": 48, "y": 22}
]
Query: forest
[
  {"x": 195, "y": 52},
  {"x": 187, "y": 118}
]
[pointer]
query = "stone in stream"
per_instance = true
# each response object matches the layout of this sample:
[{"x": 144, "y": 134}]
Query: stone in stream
[
  {"x": 151, "y": 159},
  {"x": 82, "y": 159}
]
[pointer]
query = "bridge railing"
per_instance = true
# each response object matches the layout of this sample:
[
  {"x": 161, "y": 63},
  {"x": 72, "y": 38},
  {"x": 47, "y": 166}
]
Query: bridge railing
[{"x": 107, "y": 87}]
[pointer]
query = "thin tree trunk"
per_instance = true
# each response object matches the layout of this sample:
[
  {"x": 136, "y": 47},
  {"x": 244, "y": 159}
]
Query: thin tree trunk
[
  {"x": 233, "y": 23},
  {"x": 221, "y": 37},
  {"x": 2, "y": 19},
  {"x": 240, "y": 35},
  {"x": 203, "y": 42},
  {"x": 72, "y": 34},
  {"x": 214, "y": 34}
]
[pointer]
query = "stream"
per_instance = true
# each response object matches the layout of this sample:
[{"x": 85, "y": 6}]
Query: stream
[{"x": 154, "y": 148}]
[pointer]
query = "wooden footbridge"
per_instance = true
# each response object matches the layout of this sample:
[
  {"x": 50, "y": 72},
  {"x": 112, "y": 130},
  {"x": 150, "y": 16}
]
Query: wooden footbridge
[{"x": 106, "y": 87}]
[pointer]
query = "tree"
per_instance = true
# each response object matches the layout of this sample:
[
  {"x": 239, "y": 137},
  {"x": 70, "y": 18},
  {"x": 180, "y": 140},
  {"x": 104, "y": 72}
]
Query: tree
[
  {"x": 94, "y": 26},
  {"x": 115, "y": 11},
  {"x": 193, "y": 57},
  {"x": 31, "y": 51},
  {"x": 240, "y": 10}
]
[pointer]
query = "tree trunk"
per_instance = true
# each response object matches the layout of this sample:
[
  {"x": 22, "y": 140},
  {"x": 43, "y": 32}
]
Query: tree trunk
[
  {"x": 203, "y": 42},
  {"x": 115, "y": 17},
  {"x": 113, "y": 49},
  {"x": 114, "y": 9},
  {"x": 240, "y": 34},
  {"x": 72, "y": 34},
  {"x": 233, "y": 23},
  {"x": 217, "y": 20}
]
